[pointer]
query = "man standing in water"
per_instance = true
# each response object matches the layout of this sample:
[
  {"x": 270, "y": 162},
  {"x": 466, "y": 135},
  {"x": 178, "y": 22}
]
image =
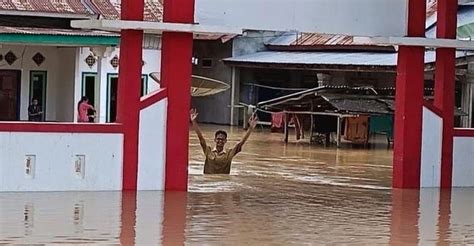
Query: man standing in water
[{"x": 219, "y": 159}]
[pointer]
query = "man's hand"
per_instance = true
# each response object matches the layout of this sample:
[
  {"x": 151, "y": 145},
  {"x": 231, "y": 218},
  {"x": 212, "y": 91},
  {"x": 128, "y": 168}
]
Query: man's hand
[
  {"x": 253, "y": 121},
  {"x": 193, "y": 114}
]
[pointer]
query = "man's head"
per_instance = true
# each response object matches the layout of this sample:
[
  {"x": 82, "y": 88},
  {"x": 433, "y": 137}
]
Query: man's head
[
  {"x": 35, "y": 101},
  {"x": 220, "y": 137}
]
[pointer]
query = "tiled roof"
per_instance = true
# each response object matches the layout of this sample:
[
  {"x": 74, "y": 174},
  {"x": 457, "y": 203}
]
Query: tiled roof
[
  {"x": 57, "y": 6},
  {"x": 53, "y": 31},
  {"x": 311, "y": 39},
  {"x": 108, "y": 9},
  {"x": 431, "y": 8}
]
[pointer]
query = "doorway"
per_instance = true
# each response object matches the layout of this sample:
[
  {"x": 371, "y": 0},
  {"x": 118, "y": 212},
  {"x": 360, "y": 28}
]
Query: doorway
[
  {"x": 89, "y": 87},
  {"x": 10, "y": 85},
  {"x": 38, "y": 81},
  {"x": 112, "y": 87}
]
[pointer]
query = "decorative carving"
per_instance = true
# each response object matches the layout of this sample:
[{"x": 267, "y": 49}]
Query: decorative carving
[
  {"x": 38, "y": 58},
  {"x": 90, "y": 61},
  {"x": 10, "y": 57},
  {"x": 114, "y": 62}
]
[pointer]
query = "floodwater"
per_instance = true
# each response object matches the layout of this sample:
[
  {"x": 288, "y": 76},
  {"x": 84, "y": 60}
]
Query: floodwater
[{"x": 277, "y": 194}]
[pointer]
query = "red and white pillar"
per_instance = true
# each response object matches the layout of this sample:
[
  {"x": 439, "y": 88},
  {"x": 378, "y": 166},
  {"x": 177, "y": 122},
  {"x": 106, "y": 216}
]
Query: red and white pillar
[
  {"x": 445, "y": 84},
  {"x": 409, "y": 102},
  {"x": 129, "y": 84},
  {"x": 176, "y": 72}
]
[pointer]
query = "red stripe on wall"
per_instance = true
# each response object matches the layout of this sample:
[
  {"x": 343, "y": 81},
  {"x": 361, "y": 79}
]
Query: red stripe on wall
[
  {"x": 463, "y": 132},
  {"x": 433, "y": 108},
  {"x": 153, "y": 98},
  {"x": 60, "y": 127}
]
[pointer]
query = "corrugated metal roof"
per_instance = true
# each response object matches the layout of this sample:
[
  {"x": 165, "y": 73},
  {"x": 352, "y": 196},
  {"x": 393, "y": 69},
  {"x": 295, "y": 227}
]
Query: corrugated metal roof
[
  {"x": 53, "y": 31},
  {"x": 358, "y": 104},
  {"x": 328, "y": 58},
  {"x": 343, "y": 58},
  {"x": 223, "y": 38},
  {"x": 342, "y": 99},
  {"x": 325, "y": 39},
  {"x": 319, "y": 39},
  {"x": 313, "y": 39},
  {"x": 465, "y": 16}
]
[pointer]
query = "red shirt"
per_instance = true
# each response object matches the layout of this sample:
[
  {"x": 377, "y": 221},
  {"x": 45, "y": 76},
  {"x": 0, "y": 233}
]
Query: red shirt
[{"x": 82, "y": 114}]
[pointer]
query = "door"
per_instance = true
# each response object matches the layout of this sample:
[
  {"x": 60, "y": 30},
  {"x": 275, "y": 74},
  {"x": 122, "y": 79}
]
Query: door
[
  {"x": 10, "y": 84},
  {"x": 89, "y": 87},
  {"x": 112, "y": 86},
  {"x": 38, "y": 80}
]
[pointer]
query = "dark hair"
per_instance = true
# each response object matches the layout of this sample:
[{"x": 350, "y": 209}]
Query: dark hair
[
  {"x": 220, "y": 132},
  {"x": 83, "y": 99}
]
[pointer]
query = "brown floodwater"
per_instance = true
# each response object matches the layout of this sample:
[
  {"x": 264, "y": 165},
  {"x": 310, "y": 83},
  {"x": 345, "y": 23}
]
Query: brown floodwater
[{"x": 276, "y": 194}]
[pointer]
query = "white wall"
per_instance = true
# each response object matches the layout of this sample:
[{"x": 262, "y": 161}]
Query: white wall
[
  {"x": 151, "y": 57},
  {"x": 55, "y": 154},
  {"x": 65, "y": 98},
  {"x": 152, "y": 141},
  {"x": 356, "y": 17},
  {"x": 26, "y": 64},
  {"x": 463, "y": 162},
  {"x": 431, "y": 144}
]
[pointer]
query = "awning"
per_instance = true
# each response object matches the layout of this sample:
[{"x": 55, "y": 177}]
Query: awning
[
  {"x": 337, "y": 99},
  {"x": 327, "y": 60},
  {"x": 52, "y": 36}
]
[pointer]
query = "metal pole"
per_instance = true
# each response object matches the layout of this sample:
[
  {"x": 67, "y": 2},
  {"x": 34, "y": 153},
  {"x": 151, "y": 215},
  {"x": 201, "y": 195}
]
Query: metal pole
[
  {"x": 244, "y": 123},
  {"x": 232, "y": 97}
]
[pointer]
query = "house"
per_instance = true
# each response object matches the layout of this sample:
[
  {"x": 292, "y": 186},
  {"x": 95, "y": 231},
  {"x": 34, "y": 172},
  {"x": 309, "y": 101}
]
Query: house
[
  {"x": 295, "y": 61},
  {"x": 42, "y": 57}
]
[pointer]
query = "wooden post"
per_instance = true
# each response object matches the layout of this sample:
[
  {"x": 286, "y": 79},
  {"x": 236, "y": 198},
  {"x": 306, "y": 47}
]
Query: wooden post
[{"x": 338, "y": 143}]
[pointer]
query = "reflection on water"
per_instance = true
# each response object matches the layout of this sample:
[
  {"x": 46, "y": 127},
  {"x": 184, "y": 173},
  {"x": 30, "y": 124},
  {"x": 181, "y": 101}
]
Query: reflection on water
[{"x": 275, "y": 195}]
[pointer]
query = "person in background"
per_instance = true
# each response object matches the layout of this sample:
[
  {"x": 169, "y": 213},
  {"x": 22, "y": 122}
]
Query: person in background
[
  {"x": 34, "y": 111},
  {"x": 91, "y": 114},
  {"x": 83, "y": 108},
  {"x": 219, "y": 159}
]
